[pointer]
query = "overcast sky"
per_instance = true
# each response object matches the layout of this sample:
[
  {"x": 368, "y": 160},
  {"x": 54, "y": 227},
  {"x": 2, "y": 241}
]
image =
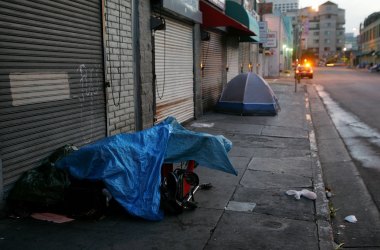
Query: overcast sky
[{"x": 356, "y": 10}]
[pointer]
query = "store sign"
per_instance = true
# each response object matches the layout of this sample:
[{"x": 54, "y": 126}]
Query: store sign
[
  {"x": 263, "y": 31},
  {"x": 265, "y": 8},
  {"x": 271, "y": 40},
  {"x": 219, "y": 3},
  {"x": 186, "y": 8}
]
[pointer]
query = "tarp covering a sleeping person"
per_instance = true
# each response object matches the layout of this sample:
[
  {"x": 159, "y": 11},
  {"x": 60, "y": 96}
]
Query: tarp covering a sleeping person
[{"x": 130, "y": 164}]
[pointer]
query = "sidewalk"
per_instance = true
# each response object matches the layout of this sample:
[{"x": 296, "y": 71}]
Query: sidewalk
[{"x": 248, "y": 211}]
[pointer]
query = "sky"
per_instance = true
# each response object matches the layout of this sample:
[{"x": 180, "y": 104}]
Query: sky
[{"x": 356, "y": 10}]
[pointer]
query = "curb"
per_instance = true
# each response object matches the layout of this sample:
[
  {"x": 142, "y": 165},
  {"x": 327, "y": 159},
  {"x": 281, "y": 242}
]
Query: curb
[{"x": 325, "y": 232}]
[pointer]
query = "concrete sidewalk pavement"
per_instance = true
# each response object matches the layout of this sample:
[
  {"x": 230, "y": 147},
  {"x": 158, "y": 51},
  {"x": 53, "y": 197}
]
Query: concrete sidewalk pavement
[{"x": 248, "y": 211}]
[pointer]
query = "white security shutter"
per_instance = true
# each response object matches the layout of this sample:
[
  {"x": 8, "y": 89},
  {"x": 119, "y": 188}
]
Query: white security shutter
[
  {"x": 174, "y": 71},
  {"x": 232, "y": 57},
  {"x": 212, "y": 75}
]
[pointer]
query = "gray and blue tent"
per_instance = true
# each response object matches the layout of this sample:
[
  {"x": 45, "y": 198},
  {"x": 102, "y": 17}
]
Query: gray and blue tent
[{"x": 248, "y": 94}]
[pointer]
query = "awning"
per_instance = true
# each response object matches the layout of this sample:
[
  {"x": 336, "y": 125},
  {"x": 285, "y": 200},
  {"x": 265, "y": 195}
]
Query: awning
[
  {"x": 251, "y": 39},
  {"x": 212, "y": 17},
  {"x": 358, "y": 53},
  {"x": 238, "y": 13},
  {"x": 370, "y": 53}
]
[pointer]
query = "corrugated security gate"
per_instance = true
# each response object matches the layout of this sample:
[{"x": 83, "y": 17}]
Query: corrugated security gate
[
  {"x": 232, "y": 57},
  {"x": 51, "y": 80},
  {"x": 212, "y": 74},
  {"x": 174, "y": 71}
]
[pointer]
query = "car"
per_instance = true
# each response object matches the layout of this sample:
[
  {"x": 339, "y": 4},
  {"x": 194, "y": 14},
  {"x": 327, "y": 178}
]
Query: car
[
  {"x": 304, "y": 71},
  {"x": 375, "y": 68}
]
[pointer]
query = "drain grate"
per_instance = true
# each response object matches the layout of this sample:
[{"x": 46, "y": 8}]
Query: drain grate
[{"x": 240, "y": 206}]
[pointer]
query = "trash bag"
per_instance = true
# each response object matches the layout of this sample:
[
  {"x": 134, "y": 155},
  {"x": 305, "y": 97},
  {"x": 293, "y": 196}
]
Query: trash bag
[{"x": 41, "y": 188}]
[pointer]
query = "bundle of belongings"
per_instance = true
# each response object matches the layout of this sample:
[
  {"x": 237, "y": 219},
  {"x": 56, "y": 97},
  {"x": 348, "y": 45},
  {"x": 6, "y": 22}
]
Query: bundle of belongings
[{"x": 124, "y": 168}]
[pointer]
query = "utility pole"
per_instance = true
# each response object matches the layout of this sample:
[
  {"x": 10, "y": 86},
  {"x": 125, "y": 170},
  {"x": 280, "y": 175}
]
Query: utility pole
[{"x": 301, "y": 29}]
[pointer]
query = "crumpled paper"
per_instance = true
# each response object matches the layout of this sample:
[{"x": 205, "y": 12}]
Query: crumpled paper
[
  {"x": 304, "y": 192},
  {"x": 351, "y": 218}
]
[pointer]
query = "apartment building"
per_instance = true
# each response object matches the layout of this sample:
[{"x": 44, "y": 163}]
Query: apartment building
[
  {"x": 320, "y": 32},
  {"x": 350, "y": 41},
  {"x": 284, "y": 5}
]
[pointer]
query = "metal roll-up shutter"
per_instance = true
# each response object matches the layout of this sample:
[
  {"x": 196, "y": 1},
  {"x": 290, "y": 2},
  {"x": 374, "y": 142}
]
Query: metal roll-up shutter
[
  {"x": 174, "y": 71},
  {"x": 51, "y": 80},
  {"x": 232, "y": 57},
  {"x": 212, "y": 75}
]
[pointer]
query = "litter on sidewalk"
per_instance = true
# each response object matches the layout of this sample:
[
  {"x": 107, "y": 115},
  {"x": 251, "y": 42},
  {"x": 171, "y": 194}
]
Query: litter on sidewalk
[
  {"x": 56, "y": 218},
  {"x": 304, "y": 192},
  {"x": 351, "y": 219}
]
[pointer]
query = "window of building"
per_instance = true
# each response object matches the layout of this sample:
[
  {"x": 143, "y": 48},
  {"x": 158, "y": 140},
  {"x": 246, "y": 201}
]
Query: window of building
[
  {"x": 327, "y": 41},
  {"x": 316, "y": 33},
  {"x": 327, "y": 32},
  {"x": 316, "y": 40},
  {"x": 328, "y": 24},
  {"x": 328, "y": 16}
]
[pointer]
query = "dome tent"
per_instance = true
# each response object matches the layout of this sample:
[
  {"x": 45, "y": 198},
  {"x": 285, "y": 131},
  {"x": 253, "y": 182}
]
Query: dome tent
[{"x": 248, "y": 94}]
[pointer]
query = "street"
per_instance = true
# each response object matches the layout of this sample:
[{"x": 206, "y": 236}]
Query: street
[
  {"x": 357, "y": 117},
  {"x": 351, "y": 99}
]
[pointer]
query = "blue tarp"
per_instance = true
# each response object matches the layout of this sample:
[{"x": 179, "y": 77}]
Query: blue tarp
[{"x": 130, "y": 164}]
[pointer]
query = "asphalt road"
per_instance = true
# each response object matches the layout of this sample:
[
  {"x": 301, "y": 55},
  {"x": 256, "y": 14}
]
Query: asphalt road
[
  {"x": 352, "y": 98},
  {"x": 356, "y": 91}
]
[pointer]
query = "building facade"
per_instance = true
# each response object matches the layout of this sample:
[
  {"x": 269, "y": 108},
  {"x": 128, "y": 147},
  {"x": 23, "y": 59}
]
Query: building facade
[
  {"x": 284, "y": 5},
  {"x": 73, "y": 72},
  {"x": 67, "y": 77},
  {"x": 279, "y": 52},
  {"x": 319, "y": 33},
  {"x": 350, "y": 41},
  {"x": 369, "y": 40}
]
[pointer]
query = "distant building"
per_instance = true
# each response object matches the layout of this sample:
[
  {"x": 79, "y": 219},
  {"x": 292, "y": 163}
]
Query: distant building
[
  {"x": 369, "y": 39},
  {"x": 319, "y": 32},
  {"x": 278, "y": 53},
  {"x": 350, "y": 42},
  {"x": 284, "y": 5}
]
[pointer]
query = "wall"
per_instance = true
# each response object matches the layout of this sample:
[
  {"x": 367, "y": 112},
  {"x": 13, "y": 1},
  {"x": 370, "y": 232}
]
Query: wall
[
  {"x": 2, "y": 202},
  {"x": 272, "y": 62},
  {"x": 197, "y": 71},
  {"x": 372, "y": 43},
  {"x": 119, "y": 65},
  {"x": 146, "y": 67}
]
